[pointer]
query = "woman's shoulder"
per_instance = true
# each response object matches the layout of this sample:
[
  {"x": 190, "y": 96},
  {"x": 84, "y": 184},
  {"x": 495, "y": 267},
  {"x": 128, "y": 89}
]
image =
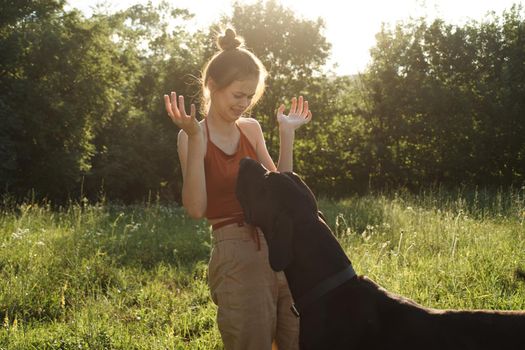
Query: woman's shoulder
[
  {"x": 248, "y": 123},
  {"x": 251, "y": 129},
  {"x": 247, "y": 120}
]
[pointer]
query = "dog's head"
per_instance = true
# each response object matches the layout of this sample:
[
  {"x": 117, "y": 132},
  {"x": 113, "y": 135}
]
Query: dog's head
[{"x": 276, "y": 202}]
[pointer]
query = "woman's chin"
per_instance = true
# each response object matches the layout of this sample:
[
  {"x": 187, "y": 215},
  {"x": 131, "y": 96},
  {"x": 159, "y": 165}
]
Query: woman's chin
[{"x": 237, "y": 115}]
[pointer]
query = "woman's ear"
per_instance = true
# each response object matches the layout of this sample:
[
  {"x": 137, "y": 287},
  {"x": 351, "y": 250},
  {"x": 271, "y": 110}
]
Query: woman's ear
[{"x": 211, "y": 85}]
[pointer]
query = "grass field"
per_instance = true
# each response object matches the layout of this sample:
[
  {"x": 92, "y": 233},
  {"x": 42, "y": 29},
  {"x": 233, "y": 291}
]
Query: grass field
[{"x": 101, "y": 276}]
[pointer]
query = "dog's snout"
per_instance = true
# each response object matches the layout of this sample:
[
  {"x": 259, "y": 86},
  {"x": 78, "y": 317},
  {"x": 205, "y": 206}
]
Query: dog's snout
[
  {"x": 243, "y": 162},
  {"x": 247, "y": 163},
  {"x": 252, "y": 169}
]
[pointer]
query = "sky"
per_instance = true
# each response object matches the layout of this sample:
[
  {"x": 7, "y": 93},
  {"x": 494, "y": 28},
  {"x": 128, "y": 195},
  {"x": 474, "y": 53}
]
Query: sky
[{"x": 350, "y": 26}]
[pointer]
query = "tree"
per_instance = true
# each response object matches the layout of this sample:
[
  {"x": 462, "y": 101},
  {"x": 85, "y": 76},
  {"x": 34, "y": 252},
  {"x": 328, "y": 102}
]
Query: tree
[
  {"x": 82, "y": 99},
  {"x": 136, "y": 150},
  {"x": 56, "y": 85},
  {"x": 443, "y": 105}
]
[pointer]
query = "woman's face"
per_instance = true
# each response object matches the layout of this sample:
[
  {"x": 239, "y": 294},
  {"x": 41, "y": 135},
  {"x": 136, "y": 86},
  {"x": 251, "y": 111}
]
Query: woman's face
[{"x": 232, "y": 101}]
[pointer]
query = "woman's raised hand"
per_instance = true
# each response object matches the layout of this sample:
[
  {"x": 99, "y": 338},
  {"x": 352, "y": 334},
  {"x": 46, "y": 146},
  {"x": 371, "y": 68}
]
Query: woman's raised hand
[
  {"x": 178, "y": 114},
  {"x": 299, "y": 114}
]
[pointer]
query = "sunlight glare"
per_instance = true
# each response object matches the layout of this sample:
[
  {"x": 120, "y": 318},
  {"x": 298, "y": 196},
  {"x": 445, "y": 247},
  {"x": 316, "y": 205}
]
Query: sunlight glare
[{"x": 350, "y": 26}]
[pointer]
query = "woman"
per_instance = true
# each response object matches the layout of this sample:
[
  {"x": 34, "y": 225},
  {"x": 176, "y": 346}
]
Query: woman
[{"x": 253, "y": 300}]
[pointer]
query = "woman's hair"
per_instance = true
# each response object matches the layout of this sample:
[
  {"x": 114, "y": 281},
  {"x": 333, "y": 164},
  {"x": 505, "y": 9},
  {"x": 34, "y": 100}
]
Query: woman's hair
[{"x": 232, "y": 63}]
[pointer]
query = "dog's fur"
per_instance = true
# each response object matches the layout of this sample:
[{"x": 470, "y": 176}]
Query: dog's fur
[{"x": 359, "y": 314}]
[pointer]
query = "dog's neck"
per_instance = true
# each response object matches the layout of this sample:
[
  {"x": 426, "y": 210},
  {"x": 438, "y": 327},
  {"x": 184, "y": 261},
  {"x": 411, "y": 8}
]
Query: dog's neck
[{"x": 317, "y": 256}]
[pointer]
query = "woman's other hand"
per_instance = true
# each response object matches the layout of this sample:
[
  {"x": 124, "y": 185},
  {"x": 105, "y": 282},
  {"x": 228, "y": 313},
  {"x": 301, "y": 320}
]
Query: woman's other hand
[
  {"x": 299, "y": 115},
  {"x": 177, "y": 113}
]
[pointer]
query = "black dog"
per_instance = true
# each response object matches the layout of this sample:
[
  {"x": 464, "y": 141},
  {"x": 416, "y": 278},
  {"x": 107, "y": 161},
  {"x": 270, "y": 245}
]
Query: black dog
[{"x": 338, "y": 309}]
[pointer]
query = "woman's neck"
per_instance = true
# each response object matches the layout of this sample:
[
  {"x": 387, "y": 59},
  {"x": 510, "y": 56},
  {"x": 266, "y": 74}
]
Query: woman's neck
[{"x": 220, "y": 126}]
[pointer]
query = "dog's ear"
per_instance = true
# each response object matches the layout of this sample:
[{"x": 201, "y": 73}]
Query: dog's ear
[
  {"x": 245, "y": 209},
  {"x": 285, "y": 190},
  {"x": 283, "y": 193},
  {"x": 307, "y": 191},
  {"x": 279, "y": 239}
]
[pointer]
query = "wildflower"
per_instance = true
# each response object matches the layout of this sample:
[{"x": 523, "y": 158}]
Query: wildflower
[
  {"x": 19, "y": 233},
  {"x": 6, "y": 320},
  {"x": 63, "y": 297}
]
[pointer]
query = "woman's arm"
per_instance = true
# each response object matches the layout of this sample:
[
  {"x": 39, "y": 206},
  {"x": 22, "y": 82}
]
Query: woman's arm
[
  {"x": 191, "y": 155},
  {"x": 191, "y": 148},
  {"x": 299, "y": 115},
  {"x": 286, "y": 140}
]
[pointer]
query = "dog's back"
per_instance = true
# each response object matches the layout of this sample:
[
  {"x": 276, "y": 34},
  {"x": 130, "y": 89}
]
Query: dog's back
[{"x": 404, "y": 324}]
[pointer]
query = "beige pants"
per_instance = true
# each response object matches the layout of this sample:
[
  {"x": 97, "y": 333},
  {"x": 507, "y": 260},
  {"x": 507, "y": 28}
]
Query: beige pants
[{"x": 253, "y": 300}]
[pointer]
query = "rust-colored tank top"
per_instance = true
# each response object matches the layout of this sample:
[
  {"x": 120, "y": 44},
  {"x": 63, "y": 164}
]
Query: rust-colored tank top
[{"x": 221, "y": 176}]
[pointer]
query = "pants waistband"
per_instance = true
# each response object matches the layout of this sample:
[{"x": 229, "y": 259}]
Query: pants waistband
[
  {"x": 231, "y": 232},
  {"x": 239, "y": 220}
]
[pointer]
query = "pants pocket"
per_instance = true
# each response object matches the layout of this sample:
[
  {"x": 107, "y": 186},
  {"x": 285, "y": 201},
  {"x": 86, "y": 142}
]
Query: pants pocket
[{"x": 219, "y": 267}]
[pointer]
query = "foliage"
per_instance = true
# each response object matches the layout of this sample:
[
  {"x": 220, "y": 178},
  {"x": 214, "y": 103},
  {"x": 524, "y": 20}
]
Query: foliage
[
  {"x": 102, "y": 276},
  {"x": 136, "y": 148},
  {"x": 52, "y": 93},
  {"x": 82, "y": 101},
  {"x": 82, "y": 113},
  {"x": 445, "y": 103}
]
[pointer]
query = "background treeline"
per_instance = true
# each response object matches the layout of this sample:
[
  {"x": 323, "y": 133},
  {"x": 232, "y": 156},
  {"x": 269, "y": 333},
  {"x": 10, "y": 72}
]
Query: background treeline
[{"x": 81, "y": 109}]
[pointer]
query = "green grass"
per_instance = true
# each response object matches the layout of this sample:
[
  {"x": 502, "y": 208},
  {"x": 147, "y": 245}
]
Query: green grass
[{"x": 100, "y": 276}]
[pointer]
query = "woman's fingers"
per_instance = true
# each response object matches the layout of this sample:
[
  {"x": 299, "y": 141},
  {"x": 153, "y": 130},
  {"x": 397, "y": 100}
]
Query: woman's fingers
[
  {"x": 300, "y": 106},
  {"x": 177, "y": 111},
  {"x": 182, "y": 109},
  {"x": 308, "y": 117},
  {"x": 171, "y": 107},
  {"x": 167, "y": 104},
  {"x": 280, "y": 110},
  {"x": 173, "y": 101},
  {"x": 294, "y": 105},
  {"x": 193, "y": 111},
  {"x": 306, "y": 109}
]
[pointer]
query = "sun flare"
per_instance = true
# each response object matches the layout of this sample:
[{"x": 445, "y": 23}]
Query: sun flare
[{"x": 349, "y": 27}]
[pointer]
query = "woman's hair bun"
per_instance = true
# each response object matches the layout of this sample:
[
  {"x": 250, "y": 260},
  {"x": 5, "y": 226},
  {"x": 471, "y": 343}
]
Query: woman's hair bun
[{"x": 229, "y": 40}]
